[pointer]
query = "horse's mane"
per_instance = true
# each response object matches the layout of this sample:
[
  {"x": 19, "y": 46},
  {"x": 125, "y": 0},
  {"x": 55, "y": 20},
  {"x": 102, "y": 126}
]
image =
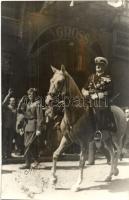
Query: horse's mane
[{"x": 73, "y": 88}]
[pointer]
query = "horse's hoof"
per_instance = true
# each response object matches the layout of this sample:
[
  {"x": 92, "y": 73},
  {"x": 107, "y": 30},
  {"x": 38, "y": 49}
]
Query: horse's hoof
[
  {"x": 75, "y": 188},
  {"x": 54, "y": 180},
  {"x": 116, "y": 172},
  {"x": 53, "y": 186},
  {"x": 108, "y": 179}
]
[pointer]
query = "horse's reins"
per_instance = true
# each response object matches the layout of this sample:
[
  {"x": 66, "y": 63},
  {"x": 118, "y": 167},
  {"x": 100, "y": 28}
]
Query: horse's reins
[{"x": 65, "y": 84}]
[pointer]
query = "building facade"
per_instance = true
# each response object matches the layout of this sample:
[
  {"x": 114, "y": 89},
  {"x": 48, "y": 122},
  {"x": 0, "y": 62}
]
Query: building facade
[{"x": 36, "y": 35}]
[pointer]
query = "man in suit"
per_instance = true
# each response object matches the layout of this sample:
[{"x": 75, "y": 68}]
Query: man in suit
[
  {"x": 9, "y": 113},
  {"x": 33, "y": 127}
]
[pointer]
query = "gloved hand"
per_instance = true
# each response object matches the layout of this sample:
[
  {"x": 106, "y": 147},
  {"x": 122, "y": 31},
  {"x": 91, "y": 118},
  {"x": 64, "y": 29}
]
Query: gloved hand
[
  {"x": 85, "y": 92},
  {"x": 21, "y": 131},
  {"x": 38, "y": 133},
  {"x": 94, "y": 96},
  {"x": 101, "y": 95}
]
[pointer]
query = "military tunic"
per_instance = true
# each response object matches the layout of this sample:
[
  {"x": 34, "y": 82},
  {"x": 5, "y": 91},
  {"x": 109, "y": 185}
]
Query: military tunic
[
  {"x": 100, "y": 90},
  {"x": 34, "y": 122}
]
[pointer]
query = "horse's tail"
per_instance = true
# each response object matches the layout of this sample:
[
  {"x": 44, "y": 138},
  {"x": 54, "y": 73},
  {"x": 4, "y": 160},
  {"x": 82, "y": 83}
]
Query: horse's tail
[
  {"x": 120, "y": 119},
  {"x": 121, "y": 124}
]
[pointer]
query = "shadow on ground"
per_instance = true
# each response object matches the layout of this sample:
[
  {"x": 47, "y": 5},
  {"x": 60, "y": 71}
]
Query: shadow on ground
[
  {"x": 61, "y": 168},
  {"x": 123, "y": 164},
  {"x": 7, "y": 171},
  {"x": 118, "y": 185}
]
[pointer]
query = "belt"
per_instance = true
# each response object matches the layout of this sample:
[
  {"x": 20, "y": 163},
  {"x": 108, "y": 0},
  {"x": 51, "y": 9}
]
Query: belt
[
  {"x": 99, "y": 95},
  {"x": 30, "y": 118}
]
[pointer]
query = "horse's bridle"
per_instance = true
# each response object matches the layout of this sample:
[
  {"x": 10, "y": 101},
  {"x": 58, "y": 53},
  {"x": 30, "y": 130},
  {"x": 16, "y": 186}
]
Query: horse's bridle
[{"x": 59, "y": 90}]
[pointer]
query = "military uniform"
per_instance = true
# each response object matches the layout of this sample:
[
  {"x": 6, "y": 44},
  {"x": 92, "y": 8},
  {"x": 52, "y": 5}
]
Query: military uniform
[
  {"x": 99, "y": 87},
  {"x": 98, "y": 91},
  {"x": 34, "y": 122}
]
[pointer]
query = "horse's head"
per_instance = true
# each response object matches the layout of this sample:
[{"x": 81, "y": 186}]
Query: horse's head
[{"x": 57, "y": 84}]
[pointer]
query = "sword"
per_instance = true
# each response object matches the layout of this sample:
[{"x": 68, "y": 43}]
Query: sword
[
  {"x": 27, "y": 148},
  {"x": 114, "y": 97}
]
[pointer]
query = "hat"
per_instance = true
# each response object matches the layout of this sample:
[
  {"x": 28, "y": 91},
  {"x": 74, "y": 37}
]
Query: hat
[
  {"x": 32, "y": 90},
  {"x": 101, "y": 60}
]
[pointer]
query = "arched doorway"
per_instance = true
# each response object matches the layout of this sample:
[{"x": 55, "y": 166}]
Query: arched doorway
[
  {"x": 66, "y": 45},
  {"x": 60, "y": 45}
]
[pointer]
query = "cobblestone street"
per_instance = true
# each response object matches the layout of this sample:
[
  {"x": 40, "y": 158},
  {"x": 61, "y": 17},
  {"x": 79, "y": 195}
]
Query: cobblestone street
[{"x": 27, "y": 184}]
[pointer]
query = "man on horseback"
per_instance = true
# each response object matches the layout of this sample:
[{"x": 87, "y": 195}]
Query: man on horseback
[
  {"x": 98, "y": 92},
  {"x": 76, "y": 123}
]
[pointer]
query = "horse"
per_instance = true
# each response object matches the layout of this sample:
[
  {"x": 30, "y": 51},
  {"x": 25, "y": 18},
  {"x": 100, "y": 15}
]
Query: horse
[{"x": 76, "y": 125}]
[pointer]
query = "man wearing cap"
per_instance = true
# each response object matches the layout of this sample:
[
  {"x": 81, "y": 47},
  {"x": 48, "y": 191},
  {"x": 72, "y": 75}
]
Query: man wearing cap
[
  {"x": 98, "y": 91},
  {"x": 33, "y": 127}
]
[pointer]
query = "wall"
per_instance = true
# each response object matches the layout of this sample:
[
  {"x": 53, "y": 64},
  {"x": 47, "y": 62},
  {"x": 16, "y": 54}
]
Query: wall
[{"x": 27, "y": 31}]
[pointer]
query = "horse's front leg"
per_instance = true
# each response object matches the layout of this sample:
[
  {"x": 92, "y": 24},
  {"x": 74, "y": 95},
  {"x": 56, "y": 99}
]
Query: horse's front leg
[
  {"x": 56, "y": 154},
  {"x": 76, "y": 187}
]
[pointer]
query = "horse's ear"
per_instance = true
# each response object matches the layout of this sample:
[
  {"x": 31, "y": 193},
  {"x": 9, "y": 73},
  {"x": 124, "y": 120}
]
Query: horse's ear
[
  {"x": 63, "y": 68},
  {"x": 53, "y": 69}
]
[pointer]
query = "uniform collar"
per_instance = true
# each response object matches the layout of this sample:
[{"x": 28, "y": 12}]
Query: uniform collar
[{"x": 99, "y": 74}]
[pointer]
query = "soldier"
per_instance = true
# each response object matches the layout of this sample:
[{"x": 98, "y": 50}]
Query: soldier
[
  {"x": 33, "y": 127},
  {"x": 20, "y": 126},
  {"x": 98, "y": 91}
]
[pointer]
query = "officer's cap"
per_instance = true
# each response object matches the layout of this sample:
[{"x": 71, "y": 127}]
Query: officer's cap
[{"x": 101, "y": 60}]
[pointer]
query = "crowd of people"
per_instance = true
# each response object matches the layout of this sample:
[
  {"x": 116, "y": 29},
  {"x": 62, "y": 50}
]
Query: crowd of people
[{"x": 26, "y": 126}]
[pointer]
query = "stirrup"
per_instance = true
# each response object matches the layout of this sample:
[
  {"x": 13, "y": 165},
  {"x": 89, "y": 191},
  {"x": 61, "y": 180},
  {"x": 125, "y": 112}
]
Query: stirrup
[{"x": 98, "y": 135}]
